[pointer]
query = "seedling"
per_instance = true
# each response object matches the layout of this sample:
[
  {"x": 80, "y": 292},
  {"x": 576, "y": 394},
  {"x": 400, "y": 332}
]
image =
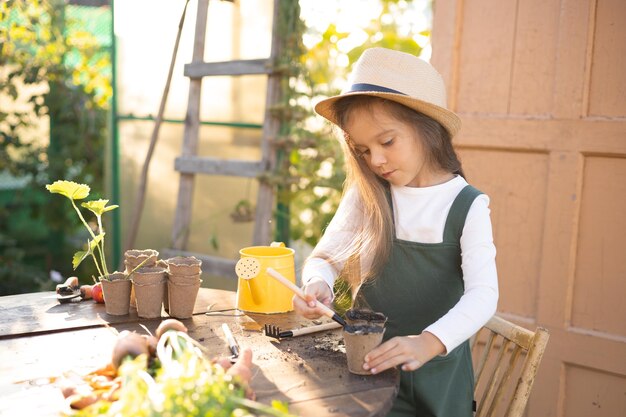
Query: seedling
[{"x": 95, "y": 247}]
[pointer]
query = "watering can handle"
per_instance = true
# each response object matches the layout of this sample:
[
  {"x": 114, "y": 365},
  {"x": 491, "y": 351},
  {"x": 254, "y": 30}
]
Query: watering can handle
[{"x": 327, "y": 310}]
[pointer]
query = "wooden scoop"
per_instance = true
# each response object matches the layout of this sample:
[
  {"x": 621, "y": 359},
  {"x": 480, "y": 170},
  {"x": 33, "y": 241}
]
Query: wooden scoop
[{"x": 327, "y": 310}]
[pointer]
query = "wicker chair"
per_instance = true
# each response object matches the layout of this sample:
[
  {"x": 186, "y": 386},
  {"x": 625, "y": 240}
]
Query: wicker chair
[{"x": 506, "y": 359}]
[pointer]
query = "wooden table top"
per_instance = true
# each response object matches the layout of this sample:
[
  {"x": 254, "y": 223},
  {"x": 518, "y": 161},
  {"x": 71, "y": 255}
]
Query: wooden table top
[{"x": 41, "y": 339}]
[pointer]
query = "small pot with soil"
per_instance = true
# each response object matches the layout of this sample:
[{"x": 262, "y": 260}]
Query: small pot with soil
[
  {"x": 363, "y": 333},
  {"x": 359, "y": 317}
]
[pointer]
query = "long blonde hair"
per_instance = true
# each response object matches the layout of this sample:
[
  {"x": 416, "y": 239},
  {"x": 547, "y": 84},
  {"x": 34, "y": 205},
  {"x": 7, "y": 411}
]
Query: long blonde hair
[{"x": 375, "y": 236}]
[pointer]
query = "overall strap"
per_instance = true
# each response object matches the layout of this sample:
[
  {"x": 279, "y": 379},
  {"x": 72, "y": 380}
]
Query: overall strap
[
  {"x": 458, "y": 212},
  {"x": 390, "y": 202}
]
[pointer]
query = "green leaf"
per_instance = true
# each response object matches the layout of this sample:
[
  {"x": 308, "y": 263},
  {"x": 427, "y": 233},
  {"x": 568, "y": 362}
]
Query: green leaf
[
  {"x": 79, "y": 257},
  {"x": 95, "y": 242},
  {"x": 69, "y": 189},
  {"x": 98, "y": 207}
]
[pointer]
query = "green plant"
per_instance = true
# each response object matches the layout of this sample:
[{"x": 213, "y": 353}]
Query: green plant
[
  {"x": 74, "y": 191},
  {"x": 181, "y": 382}
]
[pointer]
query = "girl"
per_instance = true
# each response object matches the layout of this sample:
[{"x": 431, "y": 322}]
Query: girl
[{"x": 422, "y": 233}]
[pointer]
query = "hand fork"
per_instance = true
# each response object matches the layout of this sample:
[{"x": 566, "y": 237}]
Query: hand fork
[{"x": 277, "y": 333}]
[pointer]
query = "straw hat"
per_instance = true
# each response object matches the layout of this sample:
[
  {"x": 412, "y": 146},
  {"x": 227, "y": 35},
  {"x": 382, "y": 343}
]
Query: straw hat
[{"x": 399, "y": 77}]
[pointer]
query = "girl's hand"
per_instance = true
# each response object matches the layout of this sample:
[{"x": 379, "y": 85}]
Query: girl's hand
[
  {"x": 242, "y": 369},
  {"x": 409, "y": 351},
  {"x": 316, "y": 289}
]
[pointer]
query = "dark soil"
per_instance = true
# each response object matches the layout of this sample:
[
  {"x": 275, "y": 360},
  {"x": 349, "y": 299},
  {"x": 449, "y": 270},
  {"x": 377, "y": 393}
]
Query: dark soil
[
  {"x": 364, "y": 329},
  {"x": 365, "y": 315}
]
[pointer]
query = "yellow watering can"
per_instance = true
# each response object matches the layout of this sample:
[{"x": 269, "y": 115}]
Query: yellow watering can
[{"x": 257, "y": 292}]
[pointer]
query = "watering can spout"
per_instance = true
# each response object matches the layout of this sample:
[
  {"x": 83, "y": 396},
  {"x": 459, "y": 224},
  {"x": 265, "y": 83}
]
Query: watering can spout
[{"x": 256, "y": 291}]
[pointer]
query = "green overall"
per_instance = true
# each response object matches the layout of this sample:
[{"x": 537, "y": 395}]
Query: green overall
[{"x": 418, "y": 285}]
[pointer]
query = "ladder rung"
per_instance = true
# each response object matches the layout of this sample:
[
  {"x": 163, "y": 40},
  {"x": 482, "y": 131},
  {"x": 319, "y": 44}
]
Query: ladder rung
[
  {"x": 213, "y": 166},
  {"x": 211, "y": 265},
  {"x": 237, "y": 67}
]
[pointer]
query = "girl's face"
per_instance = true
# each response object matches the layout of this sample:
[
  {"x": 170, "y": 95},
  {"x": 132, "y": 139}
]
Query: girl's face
[{"x": 392, "y": 149}]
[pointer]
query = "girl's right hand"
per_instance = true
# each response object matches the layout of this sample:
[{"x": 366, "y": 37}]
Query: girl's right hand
[{"x": 316, "y": 289}]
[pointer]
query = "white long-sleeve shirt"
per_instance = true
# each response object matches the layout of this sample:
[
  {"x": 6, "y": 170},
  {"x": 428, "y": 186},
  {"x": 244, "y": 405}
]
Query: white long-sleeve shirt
[{"x": 420, "y": 215}]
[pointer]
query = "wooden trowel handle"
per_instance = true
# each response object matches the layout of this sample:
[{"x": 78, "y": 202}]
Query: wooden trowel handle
[
  {"x": 298, "y": 291},
  {"x": 314, "y": 329}
]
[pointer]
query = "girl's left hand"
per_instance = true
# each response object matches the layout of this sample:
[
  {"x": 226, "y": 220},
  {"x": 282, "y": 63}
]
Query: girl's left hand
[{"x": 409, "y": 351}]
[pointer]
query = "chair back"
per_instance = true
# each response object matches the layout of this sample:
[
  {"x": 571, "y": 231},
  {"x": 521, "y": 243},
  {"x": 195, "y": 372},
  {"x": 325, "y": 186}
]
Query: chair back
[{"x": 506, "y": 359}]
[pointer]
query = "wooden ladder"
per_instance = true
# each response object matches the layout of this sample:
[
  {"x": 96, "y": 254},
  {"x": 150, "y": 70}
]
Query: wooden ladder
[{"x": 189, "y": 163}]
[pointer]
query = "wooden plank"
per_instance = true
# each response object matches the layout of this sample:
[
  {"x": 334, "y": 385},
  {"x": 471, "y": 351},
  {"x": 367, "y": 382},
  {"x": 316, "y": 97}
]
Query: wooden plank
[
  {"x": 572, "y": 59},
  {"x": 271, "y": 126},
  {"x": 585, "y": 136},
  {"x": 180, "y": 229},
  {"x": 20, "y": 317},
  {"x": 236, "y": 67},
  {"x": 486, "y": 56},
  {"x": 599, "y": 264},
  {"x": 532, "y": 85},
  {"x": 446, "y": 40},
  {"x": 607, "y": 79},
  {"x": 511, "y": 331},
  {"x": 216, "y": 166},
  {"x": 211, "y": 265}
]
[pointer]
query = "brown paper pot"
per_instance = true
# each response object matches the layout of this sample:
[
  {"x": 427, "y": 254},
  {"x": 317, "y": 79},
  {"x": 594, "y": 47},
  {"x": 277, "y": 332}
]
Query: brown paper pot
[
  {"x": 166, "y": 304},
  {"x": 116, "y": 294},
  {"x": 149, "y": 275},
  {"x": 359, "y": 344},
  {"x": 149, "y": 299},
  {"x": 182, "y": 298},
  {"x": 149, "y": 284},
  {"x": 184, "y": 279},
  {"x": 134, "y": 257},
  {"x": 184, "y": 265}
]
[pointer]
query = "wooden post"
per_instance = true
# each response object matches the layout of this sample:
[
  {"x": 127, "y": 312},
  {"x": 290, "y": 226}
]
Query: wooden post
[
  {"x": 180, "y": 231},
  {"x": 265, "y": 198}
]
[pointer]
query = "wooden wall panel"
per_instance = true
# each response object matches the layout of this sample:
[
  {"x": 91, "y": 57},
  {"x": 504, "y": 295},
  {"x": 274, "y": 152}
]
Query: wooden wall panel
[
  {"x": 599, "y": 285},
  {"x": 485, "y": 56},
  {"x": 540, "y": 88},
  {"x": 607, "y": 95},
  {"x": 572, "y": 58},
  {"x": 593, "y": 394},
  {"x": 515, "y": 182},
  {"x": 532, "y": 83}
]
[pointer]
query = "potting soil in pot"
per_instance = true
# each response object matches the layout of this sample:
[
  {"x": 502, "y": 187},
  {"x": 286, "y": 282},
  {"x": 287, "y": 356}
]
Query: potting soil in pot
[{"x": 363, "y": 333}]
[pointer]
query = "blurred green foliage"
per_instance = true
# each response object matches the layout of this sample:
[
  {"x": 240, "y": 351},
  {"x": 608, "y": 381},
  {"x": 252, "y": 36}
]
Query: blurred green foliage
[{"x": 52, "y": 70}]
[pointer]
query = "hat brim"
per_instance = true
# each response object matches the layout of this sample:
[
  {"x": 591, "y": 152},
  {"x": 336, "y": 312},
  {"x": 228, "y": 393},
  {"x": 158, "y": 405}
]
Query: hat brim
[{"x": 449, "y": 120}]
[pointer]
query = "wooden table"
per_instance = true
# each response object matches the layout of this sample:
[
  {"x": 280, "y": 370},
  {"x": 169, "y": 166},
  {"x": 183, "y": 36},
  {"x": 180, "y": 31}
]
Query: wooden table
[{"x": 41, "y": 339}]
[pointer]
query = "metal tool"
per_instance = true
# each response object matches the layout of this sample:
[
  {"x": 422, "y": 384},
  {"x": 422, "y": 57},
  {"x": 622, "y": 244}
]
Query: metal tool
[
  {"x": 232, "y": 342},
  {"x": 64, "y": 298},
  {"x": 277, "y": 333},
  {"x": 327, "y": 310}
]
